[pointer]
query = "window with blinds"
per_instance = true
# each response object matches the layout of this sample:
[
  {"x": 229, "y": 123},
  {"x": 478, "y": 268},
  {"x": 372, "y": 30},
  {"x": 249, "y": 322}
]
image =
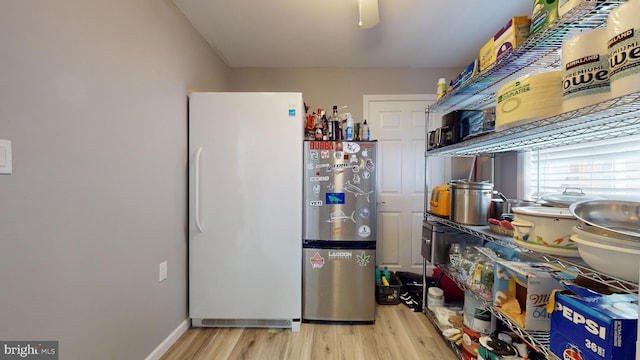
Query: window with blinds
[{"x": 609, "y": 168}]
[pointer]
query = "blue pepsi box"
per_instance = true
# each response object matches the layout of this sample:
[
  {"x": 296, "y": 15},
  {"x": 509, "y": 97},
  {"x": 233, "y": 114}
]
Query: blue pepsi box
[{"x": 589, "y": 325}]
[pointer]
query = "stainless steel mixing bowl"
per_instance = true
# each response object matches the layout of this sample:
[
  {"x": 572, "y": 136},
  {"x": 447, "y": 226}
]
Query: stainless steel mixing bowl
[{"x": 622, "y": 217}]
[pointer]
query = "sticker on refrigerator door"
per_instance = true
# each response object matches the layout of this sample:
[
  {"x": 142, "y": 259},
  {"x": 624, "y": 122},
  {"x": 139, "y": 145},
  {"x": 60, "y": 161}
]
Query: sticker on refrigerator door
[
  {"x": 324, "y": 154},
  {"x": 321, "y": 145},
  {"x": 341, "y": 166},
  {"x": 316, "y": 190},
  {"x": 334, "y": 255},
  {"x": 351, "y": 148},
  {"x": 317, "y": 261},
  {"x": 366, "y": 175},
  {"x": 315, "y": 203},
  {"x": 364, "y": 231},
  {"x": 334, "y": 198},
  {"x": 364, "y": 213},
  {"x": 349, "y": 187},
  {"x": 330, "y": 187},
  {"x": 356, "y": 179},
  {"x": 369, "y": 165},
  {"x": 340, "y": 216},
  {"x": 363, "y": 259},
  {"x": 292, "y": 112},
  {"x": 365, "y": 153},
  {"x": 337, "y": 155},
  {"x": 319, "y": 178},
  {"x": 314, "y": 155},
  {"x": 355, "y": 168}
]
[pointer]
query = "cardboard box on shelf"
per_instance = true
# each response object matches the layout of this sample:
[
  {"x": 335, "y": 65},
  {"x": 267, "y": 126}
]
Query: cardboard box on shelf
[
  {"x": 593, "y": 324},
  {"x": 466, "y": 74},
  {"x": 487, "y": 55},
  {"x": 512, "y": 35},
  {"x": 523, "y": 289}
]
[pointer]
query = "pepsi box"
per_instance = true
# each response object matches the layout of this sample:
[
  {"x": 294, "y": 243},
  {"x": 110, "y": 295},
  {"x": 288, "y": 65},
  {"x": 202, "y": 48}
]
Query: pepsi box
[{"x": 589, "y": 325}]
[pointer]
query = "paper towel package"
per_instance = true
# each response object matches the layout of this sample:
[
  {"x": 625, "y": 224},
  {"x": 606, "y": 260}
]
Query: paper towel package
[
  {"x": 529, "y": 98},
  {"x": 623, "y": 26},
  {"x": 585, "y": 70},
  {"x": 593, "y": 326}
]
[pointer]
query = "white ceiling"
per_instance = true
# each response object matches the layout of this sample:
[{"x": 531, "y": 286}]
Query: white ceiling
[{"x": 325, "y": 33}]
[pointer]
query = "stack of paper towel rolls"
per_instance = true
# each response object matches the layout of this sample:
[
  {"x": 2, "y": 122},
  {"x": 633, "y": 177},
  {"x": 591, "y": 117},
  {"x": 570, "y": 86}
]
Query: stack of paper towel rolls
[
  {"x": 529, "y": 98},
  {"x": 585, "y": 70},
  {"x": 623, "y": 26}
]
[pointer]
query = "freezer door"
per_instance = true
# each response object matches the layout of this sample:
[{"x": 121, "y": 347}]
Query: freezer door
[
  {"x": 244, "y": 237},
  {"x": 339, "y": 285},
  {"x": 340, "y": 191}
]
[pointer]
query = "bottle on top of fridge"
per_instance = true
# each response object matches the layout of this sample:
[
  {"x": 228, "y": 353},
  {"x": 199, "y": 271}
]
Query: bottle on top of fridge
[
  {"x": 365, "y": 132},
  {"x": 337, "y": 123},
  {"x": 349, "y": 129}
]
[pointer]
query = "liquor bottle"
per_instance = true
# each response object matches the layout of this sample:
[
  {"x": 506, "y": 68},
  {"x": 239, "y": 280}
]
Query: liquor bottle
[{"x": 337, "y": 123}]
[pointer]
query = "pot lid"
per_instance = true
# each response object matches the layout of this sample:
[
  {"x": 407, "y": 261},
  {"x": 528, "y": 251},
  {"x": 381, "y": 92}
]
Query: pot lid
[
  {"x": 554, "y": 212},
  {"x": 568, "y": 197},
  {"x": 476, "y": 185}
]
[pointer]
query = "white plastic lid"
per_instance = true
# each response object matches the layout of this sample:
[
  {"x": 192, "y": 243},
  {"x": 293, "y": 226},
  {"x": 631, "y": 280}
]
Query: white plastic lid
[
  {"x": 436, "y": 292},
  {"x": 442, "y": 81}
]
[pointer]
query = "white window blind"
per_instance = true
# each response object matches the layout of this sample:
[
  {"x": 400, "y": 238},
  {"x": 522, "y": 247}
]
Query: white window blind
[{"x": 609, "y": 168}]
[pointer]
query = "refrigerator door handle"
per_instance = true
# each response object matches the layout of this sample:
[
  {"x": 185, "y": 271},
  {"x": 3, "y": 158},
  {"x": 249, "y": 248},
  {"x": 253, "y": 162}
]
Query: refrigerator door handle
[
  {"x": 380, "y": 203},
  {"x": 197, "y": 190}
]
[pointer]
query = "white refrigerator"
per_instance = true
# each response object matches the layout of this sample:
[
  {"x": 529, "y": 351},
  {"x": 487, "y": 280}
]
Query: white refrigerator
[{"x": 245, "y": 209}]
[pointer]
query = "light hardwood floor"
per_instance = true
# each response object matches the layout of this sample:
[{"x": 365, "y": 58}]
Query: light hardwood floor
[{"x": 398, "y": 333}]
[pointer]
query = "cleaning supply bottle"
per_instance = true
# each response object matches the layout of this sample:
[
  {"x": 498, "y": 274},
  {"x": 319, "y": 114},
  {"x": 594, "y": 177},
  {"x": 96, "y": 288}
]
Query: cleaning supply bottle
[
  {"x": 386, "y": 273},
  {"x": 349, "y": 130},
  {"x": 442, "y": 88},
  {"x": 365, "y": 132}
]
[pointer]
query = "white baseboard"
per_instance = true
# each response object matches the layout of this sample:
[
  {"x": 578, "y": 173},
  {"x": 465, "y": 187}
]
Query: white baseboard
[{"x": 157, "y": 353}]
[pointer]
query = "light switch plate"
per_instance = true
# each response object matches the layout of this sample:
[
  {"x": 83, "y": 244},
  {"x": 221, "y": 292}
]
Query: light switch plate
[{"x": 5, "y": 157}]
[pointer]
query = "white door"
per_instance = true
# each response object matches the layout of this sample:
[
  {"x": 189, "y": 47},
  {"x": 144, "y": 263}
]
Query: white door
[{"x": 398, "y": 123}]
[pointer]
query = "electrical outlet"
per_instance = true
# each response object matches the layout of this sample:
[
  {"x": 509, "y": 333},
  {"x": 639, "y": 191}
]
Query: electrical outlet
[{"x": 163, "y": 271}]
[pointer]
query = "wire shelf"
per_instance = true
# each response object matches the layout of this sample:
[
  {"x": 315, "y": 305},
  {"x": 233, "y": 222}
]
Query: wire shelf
[
  {"x": 539, "y": 340},
  {"x": 574, "y": 266},
  {"x": 538, "y": 53},
  {"x": 456, "y": 350},
  {"x": 614, "y": 118}
]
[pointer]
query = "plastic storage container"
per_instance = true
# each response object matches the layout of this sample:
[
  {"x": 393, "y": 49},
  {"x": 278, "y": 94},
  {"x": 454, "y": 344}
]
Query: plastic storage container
[{"x": 389, "y": 295}]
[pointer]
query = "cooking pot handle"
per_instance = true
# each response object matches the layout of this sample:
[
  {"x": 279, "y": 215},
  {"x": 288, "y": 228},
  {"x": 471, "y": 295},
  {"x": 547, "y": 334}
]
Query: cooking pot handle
[
  {"x": 579, "y": 192},
  {"x": 518, "y": 224}
]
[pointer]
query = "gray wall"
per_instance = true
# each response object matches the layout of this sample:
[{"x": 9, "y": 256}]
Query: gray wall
[
  {"x": 325, "y": 87},
  {"x": 93, "y": 98}
]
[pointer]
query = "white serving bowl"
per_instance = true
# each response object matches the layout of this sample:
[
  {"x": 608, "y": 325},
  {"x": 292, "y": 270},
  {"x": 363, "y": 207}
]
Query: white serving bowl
[
  {"x": 607, "y": 239},
  {"x": 547, "y": 227},
  {"x": 613, "y": 259}
]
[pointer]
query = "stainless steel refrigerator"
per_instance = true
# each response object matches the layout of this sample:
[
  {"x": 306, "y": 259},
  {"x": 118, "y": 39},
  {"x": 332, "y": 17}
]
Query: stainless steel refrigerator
[{"x": 339, "y": 231}]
